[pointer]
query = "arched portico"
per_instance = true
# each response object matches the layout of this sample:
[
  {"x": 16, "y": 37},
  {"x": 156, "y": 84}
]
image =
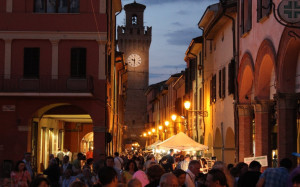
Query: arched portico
[
  {"x": 58, "y": 127},
  {"x": 245, "y": 109},
  {"x": 229, "y": 147},
  {"x": 264, "y": 89},
  {"x": 218, "y": 144},
  {"x": 288, "y": 93}
]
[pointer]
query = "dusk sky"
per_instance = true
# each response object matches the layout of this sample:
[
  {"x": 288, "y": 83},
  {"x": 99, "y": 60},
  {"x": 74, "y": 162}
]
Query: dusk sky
[{"x": 174, "y": 24}]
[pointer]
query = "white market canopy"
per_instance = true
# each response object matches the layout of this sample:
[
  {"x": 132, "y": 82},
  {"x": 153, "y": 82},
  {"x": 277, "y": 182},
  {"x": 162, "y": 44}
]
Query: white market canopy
[
  {"x": 153, "y": 146},
  {"x": 181, "y": 142}
]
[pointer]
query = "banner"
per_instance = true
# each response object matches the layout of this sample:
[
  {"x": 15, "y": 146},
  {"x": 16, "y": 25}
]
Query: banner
[{"x": 263, "y": 160}]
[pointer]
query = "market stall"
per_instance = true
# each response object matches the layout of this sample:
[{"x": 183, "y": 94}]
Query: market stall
[
  {"x": 153, "y": 146},
  {"x": 181, "y": 142}
]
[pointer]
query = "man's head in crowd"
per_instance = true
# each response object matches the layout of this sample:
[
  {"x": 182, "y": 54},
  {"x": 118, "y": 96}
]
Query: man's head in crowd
[
  {"x": 194, "y": 167},
  {"x": 108, "y": 176},
  {"x": 110, "y": 161}
]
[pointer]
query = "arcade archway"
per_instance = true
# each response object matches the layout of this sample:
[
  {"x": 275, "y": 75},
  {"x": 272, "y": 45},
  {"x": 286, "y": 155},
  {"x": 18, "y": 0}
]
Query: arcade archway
[
  {"x": 59, "y": 127},
  {"x": 87, "y": 142}
]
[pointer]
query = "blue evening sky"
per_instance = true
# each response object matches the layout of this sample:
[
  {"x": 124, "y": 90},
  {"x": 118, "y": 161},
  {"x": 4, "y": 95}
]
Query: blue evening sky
[{"x": 174, "y": 24}]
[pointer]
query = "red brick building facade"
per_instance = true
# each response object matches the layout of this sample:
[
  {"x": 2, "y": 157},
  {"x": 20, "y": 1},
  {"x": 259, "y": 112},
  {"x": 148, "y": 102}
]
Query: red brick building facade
[{"x": 53, "y": 75}]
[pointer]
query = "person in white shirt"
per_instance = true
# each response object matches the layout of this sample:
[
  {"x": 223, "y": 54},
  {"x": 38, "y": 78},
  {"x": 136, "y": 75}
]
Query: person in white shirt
[
  {"x": 185, "y": 163},
  {"x": 192, "y": 172},
  {"x": 118, "y": 161},
  {"x": 69, "y": 153}
]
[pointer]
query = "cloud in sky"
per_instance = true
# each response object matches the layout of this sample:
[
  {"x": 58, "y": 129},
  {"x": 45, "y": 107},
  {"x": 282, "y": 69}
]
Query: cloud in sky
[
  {"x": 182, "y": 12},
  {"x": 182, "y": 36},
  {"x": 178, "y": 24}
]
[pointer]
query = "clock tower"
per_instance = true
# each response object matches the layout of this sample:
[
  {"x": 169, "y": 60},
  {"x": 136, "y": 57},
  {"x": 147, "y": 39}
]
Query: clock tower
[{"x": 134, "y": 40}]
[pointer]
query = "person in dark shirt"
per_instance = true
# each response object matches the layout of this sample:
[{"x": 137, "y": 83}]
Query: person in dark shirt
[
  {"x": 170, "y": 161},
  {"x": 251, "y": 177},
  {"x": 53, "y": 173},
  {"x": 154, "y": 174}
]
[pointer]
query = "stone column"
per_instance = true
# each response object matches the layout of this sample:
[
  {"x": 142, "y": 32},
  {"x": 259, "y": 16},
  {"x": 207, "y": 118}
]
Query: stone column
[
  {"x": 54, "y": 70},
  {"x": 287, "y": 125},
  {"x": 99, "y": 139},
  {"x": 245, "y": 128},
  {"x": 7, "y": 59},
  {"x": 263, "y": 129}
]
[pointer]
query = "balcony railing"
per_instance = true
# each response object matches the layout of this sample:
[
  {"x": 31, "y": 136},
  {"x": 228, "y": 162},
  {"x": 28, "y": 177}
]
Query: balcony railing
[{"x": 47, "y": 84}]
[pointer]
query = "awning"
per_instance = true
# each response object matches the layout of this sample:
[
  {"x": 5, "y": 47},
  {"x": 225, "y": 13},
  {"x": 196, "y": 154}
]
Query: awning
[{"x": 181, "y": 142}]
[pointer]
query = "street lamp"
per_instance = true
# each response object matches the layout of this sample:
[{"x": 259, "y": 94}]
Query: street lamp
[
  {"x": 149, "y": 132},
  {"x": 153, "y": 130},
  {"x": 145, "y": 134},
  {"x": 167, "y": 123},
  {"x": 187, "y": 105},
  {"x": 173, "y": 117},
  {"x": 160, "y": 127}
]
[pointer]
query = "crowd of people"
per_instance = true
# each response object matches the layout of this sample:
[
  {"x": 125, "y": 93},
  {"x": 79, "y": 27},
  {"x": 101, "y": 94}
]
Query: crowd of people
[{"x": 143, "y": 170}]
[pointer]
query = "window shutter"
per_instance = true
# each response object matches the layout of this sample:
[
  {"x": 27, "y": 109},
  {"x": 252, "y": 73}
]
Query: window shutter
[
  {"x": 259, "y": 10},
  {"x": 231, "y": 77},
  {"x": 214, "y": 83},
  {"x": 193, "y": 69},
  {"x": 178, "y": 106},
  {"x": 220, "y": 84},
  {"x": 223, "y": 81},
  {"x": 186, "y": 80},
  {"x": 211, "y": 91},
  {"x": 249, "y": 16},
  {"x": 242, "y": 17},
  {"x": 200, "y": 66},
  {"x": 200, "y": 98},
  {"x": 266, "y": 7}
]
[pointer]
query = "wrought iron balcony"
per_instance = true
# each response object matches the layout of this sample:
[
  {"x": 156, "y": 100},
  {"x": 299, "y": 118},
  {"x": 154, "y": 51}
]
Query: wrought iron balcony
[{"x": 46, "y": 84}]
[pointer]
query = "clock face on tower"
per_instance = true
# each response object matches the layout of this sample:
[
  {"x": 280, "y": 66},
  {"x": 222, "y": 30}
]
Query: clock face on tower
[{"x": 134, "y": 60}]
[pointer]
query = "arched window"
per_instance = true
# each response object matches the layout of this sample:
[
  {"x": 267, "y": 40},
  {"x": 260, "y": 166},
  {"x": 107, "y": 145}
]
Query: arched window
[{"x": 134, "y": 20}]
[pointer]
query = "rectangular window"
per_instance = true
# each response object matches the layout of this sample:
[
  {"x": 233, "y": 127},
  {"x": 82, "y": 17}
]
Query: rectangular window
[
  {"x": 220, "y": 84},
  {"x": 200, "y": 98},
  {"x": 78, "y": 62},
  {"x": 178, "y": 106},
  {"x": 31, "y": 62},
  {"x": 231, "y": 77},
  {"x": 263, "y": 9},
  {"x": 56, "y": 6},
  {"x": 193, "y": 64},
  {"x": 213, "y": 90},
  {"x": 223, "y": 83},
  {"x": 246, "y": 16},
  {"x": 200, "y": 66}
]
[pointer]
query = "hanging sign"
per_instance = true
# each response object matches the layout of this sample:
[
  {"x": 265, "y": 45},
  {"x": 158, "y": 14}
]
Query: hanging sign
[
  {"x": 8, "y": 108},
  {"x": 263, "y": 160}
]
